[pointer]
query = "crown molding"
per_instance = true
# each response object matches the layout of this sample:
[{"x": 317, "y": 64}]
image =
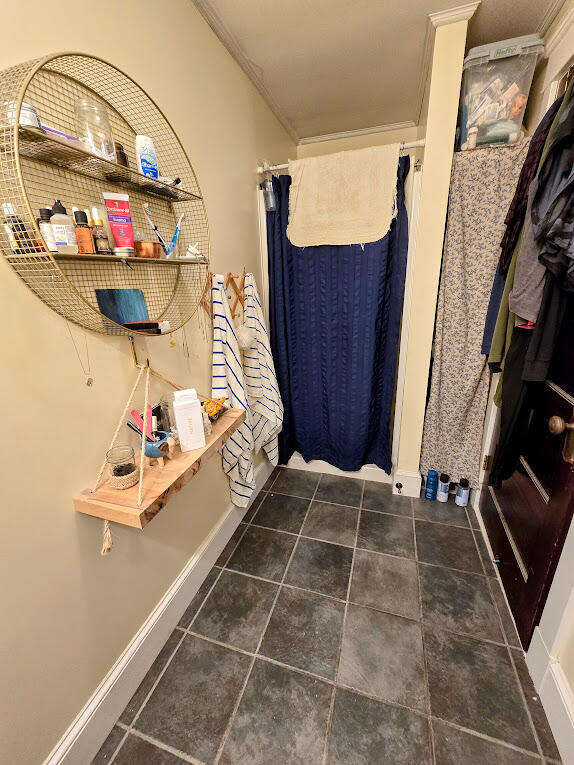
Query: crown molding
[
  {"x": 425, "y": 70},
  {"x": 556, "y": 28},
  {"x": 452, "y": 15},
  {"x": 550, "y": 16},
  {"x": 251, "y": 70},
  {"x": 359, "y": 131}
]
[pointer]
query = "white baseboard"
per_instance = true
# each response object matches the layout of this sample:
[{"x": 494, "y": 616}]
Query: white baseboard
[
  {"x": 410, "y": 483},
  {"x": 558, "y": 702},
  {"x": 89, "y": 730},
  {"x": 368, "y": 472},
  {"x": 555, "y": 694}
]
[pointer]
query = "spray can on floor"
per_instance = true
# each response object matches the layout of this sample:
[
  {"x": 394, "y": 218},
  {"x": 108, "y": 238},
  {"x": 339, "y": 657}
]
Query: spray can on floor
[
  {"x": 431, "y": 485},
  {"x": 462, "y": 492},
  {"x": 443, "y": 486}
]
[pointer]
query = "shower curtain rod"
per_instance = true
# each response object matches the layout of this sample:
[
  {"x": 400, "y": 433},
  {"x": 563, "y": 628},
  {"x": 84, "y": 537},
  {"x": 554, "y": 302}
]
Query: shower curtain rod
[{"x": 402, "y": 147}]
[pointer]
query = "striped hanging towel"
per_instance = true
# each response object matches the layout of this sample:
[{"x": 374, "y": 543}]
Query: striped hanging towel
[
  {"x": 228, "y": 381},
  {"x": 260, "y": 380}
]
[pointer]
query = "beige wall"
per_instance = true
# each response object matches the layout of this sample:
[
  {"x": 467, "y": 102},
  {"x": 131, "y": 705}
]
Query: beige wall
[{"x": 67, "y": 613}]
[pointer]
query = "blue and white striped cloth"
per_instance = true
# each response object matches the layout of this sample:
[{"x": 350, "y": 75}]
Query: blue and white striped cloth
[
  {"x": 227, "y": 380},
  {"x": 250, "y": 385},
  {"x": 260, "y": 380}
]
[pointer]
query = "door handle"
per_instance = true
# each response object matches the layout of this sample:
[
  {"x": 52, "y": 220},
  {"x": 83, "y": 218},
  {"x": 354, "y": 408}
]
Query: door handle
[{"x": 557, "y": 426}]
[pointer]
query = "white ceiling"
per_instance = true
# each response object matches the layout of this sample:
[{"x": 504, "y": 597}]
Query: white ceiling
[{"x": 330, "y": 66}]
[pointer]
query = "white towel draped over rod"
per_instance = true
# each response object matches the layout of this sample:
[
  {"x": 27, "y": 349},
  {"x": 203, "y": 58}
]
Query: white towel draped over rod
[{"x": 405, "y": 146}]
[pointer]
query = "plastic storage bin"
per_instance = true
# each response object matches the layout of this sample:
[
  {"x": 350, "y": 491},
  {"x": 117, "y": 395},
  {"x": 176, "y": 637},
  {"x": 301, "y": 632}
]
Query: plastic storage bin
[{"x": 496, "y": 84}]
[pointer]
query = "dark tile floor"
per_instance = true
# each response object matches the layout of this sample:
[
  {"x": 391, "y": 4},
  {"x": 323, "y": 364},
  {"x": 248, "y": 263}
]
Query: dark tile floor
[{"x": 341, "y": 624}]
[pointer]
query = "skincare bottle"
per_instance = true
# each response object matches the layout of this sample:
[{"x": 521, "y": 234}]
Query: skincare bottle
[
  {"x": 431, "y": 485},
  {"x": 146, "y": 156},
  {"x": 188, "y": 419},
  {"x": 15, "y": 229},
  {"x": 462, "y": 492},
  {"x": 443, "y": 487},
  {"x": 83, "y": 233},
  {"x": 101, "y": 241},
  {"x": 63, "y": 227},
  {"x": 46, "y": 228}
]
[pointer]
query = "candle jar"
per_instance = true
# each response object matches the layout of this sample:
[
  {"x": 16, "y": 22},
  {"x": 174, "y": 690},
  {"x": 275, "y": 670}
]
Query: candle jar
[{"x": 123, "y": 472}]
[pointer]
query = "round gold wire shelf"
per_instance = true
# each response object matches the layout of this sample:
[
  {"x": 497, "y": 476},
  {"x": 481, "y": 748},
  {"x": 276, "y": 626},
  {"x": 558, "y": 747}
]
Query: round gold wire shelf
[{"x": 36, "y": 168}]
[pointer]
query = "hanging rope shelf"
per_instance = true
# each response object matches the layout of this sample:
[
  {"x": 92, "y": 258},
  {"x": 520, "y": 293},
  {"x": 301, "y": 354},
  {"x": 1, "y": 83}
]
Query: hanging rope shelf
[
  {"x": 137, "y": 505},
  {"x": 38, "y": 165}
]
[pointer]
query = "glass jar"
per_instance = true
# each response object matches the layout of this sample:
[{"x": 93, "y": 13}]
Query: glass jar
[
  {"x": 122, "y": 467},
  {"x": 94, "y": 129}
]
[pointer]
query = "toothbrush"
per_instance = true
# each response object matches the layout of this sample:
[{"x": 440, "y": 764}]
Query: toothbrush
[
  {"x": 147, "y": 213},
  {"x": 173, "y": 242}
]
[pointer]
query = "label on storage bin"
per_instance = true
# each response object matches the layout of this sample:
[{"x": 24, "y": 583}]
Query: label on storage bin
[{"x": 508, "y": 50}]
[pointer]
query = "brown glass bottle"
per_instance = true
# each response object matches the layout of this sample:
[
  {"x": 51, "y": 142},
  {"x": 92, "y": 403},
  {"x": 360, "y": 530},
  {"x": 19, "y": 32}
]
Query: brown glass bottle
[{"x": 84, "y": 234}]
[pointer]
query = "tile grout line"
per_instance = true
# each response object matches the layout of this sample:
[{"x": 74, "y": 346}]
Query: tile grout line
[
  {"x": 183, "y": 756},
  {"x": 122, "y": 741},
  {"x": 375, "y": 552},
  {"x": 509, "y": 653},
  {"x": 131, "y": 728},
  {"x": 264, "y": 630},
  {"x": 486, "y": 737},
  {"x": 358, "y": 691},
  {"x": 187, "y": 630},
  {"x": 340, "y": 649},
  {"x": 523, "y": 696},
  {"x": 466, "y": 526},
  {"x": 425, "y": 668}
]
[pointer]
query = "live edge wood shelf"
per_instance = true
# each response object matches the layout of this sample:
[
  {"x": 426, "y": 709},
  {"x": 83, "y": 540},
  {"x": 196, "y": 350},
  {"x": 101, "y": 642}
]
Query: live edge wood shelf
[{"x": 159, "y": 485}]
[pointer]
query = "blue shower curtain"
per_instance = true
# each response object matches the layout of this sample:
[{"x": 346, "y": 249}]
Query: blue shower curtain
[{"x": 335, "y": 314}]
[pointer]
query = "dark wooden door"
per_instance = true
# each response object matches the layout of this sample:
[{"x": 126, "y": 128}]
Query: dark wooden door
[{"x": 528, "y": 517}]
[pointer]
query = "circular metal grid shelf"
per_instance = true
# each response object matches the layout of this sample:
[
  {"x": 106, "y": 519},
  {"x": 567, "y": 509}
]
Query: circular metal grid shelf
[{"x": 36, "y": 168}]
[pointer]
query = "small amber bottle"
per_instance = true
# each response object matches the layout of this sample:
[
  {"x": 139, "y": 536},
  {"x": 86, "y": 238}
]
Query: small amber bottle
[{"x": 84, "y": 233}]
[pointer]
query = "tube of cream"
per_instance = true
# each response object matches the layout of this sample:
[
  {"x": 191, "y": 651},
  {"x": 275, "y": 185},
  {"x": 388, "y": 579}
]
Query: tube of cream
[{"x": 119, "y": 216}]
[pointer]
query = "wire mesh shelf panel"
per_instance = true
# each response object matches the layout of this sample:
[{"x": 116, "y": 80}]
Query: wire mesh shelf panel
[{"x": 37, "y": 167}]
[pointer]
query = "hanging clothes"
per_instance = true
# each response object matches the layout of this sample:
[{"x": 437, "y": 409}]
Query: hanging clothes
[
  {"x": 526, "y": 295},
  {"x": 552, "y": 226},
  {"x": 508, "y": 246},
  {"x": 260, "y": 380},
  {"x": 517, "y": 210},
  {"x": 335, "y": 316},
  {"x": 553, "y": 205},
  {"x": 506, "y": 319},
  {"x": 482, "y": 184},
  {"x": 227, "y": 380}
]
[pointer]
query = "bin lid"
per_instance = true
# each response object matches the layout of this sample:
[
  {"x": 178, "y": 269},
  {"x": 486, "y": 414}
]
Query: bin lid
[{"x": 504, "y": 48}]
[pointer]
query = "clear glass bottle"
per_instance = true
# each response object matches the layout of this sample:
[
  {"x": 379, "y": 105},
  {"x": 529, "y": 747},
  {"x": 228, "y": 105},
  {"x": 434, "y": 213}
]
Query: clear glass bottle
[{"x": 94, "y": 129}]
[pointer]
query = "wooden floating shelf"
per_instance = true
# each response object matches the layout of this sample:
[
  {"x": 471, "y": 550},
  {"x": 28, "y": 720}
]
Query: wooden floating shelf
[
  {"x": 36, "y": 144},
  {"x": 159, "y": 485}
]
